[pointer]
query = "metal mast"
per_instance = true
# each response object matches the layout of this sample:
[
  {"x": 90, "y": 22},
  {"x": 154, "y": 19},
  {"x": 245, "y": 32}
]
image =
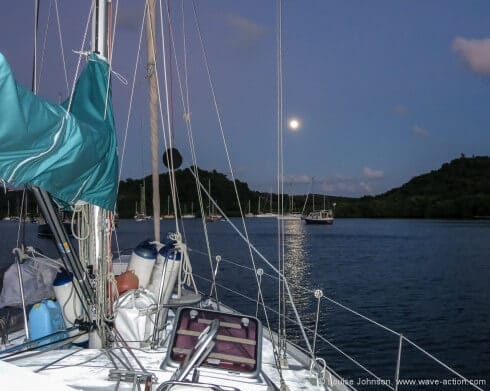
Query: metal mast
[{"x": 96, "y": 249}]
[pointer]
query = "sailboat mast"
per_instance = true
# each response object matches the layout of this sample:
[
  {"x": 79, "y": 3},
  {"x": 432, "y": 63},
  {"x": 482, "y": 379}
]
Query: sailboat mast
[
  {"x": 313, "y": 193},
  {"x": 97, "y": 248},
  {"x": 143, "y": 199},
  {"x": 99, "y": 28},
  {"x": 151, "y": 74},
  {"x": 209, "y": 192}
]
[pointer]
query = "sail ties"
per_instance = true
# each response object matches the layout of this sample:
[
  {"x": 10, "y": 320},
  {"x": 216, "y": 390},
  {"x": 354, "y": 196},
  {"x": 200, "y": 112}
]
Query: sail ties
[
  {"x": 84, "y": 53},
  {"x": 31, "y": 253},
  {"x": 87, "y": 53}
]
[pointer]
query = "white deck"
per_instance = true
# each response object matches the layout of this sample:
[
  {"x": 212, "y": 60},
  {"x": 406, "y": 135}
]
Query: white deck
[{"x": 88, "y": 369}]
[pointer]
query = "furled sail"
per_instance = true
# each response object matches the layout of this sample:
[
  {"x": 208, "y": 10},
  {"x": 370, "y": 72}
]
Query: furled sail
[{"x": 72, "y": 155}]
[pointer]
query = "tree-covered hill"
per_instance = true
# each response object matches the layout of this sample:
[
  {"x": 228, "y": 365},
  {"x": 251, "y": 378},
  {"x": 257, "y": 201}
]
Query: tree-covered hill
[
  {"x": 218, "y": 184},
  {"x": 459, "y": 189}
]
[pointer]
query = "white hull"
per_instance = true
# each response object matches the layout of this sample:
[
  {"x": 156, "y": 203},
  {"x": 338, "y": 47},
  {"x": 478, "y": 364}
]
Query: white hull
[
  {"x": 266, "y": 215},
  {"x": 292, "y": 216}
]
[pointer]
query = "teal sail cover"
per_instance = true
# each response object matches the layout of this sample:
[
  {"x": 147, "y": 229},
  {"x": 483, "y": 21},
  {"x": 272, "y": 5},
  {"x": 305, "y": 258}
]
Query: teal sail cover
[{"x": 72, "y": 155}]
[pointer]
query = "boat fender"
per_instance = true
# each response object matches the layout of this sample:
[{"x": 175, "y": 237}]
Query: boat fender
[
  {"x": 142, "y": 261},
  {"x": 164, "y": 269},
  {"x": 70, "y": 304},
  {"x": 127, "y": 281}
]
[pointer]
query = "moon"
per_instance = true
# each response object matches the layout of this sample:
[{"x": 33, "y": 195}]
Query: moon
[{"x": 294, "y": 124}]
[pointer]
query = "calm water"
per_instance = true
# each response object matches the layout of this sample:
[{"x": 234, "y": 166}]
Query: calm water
[{"x": 428, "y": 280}]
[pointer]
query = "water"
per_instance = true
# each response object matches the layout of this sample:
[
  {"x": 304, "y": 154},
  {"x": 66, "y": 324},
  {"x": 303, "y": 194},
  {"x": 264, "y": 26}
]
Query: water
[{"x": 423, "y": 278}]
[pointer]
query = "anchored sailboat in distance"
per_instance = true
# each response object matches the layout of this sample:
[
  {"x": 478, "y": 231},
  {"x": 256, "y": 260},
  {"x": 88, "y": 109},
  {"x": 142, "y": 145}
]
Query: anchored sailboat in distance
[
  {"x": 140, "y": 214},
  {"x": 190, "y": 215},
  {"x": 140, "y": 320},
  {"x": 212, "y": 216},
  {"x": 324, "y": 216}
]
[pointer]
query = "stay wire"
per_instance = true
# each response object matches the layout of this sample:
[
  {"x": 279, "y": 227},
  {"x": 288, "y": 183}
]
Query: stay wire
[{"x": 190, "y": 135}]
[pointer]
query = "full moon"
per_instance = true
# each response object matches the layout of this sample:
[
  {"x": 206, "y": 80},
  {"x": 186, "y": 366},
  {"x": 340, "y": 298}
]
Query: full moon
[{"x": 294, "y": 124}]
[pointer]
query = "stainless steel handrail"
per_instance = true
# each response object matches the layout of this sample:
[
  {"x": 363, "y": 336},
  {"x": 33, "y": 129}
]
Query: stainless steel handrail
[{"x": 205, "y": 343}]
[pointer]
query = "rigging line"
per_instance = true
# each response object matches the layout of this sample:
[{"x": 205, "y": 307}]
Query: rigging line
[
  {"x": 261, "y": 256},
  {"x": 259, "y": 287},
  {"x": 84, "y": 40},
  {"x": 173, "y": 184},
  {"x": 128, "y": 349},
  {"x": 171, "y": 119},
  {"x": 280, "y": 177},
  {"x": 111, "y": 39},
  {"x": 307, "y": 195},
  {"x": 46, "y": 366},
  {"x": 171, "y": 122},
  {"x": 33, "y": 86},
  {"x": 206, "y": 63},
  {"x": 41, "y": 66},
  {"x": 225, "y": 145},
  {"x": 268, "y": 308},
  {"x": 360, "y": 315},
  {"x": 131, "y": 98},
  {"x": 352, "y": 359},
  {"x": 172, "y": 43},
  {"x": 218, "y": 115},
  {"x": 187, "y": 119},
  {"x": 184, "y": 107},
  {"x": 292, "y": 284},
  {"x": 186, "y": 73},
  {"x": 34, "y": 56},
  {"x": 61, "y": 45},
  {"x": 469, "y": 382}
]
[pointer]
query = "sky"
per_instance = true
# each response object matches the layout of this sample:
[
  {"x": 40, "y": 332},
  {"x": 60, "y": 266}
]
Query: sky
[{"x": 384, "y": 90}]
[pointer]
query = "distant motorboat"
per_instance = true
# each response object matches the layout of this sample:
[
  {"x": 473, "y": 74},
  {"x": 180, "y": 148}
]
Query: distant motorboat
[{"x": 324, "y": 216}]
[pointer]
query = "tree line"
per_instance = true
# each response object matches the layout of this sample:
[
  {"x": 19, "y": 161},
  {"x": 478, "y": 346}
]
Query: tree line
[{"x": 458, "y": 189}]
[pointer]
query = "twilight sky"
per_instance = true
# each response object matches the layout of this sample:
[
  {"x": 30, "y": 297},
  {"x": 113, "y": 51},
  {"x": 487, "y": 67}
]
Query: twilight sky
[{"x": 384, "y": 89}]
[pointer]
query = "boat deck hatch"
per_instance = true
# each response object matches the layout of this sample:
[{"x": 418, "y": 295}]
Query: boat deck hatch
[{"x": 237, "y": 343}]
